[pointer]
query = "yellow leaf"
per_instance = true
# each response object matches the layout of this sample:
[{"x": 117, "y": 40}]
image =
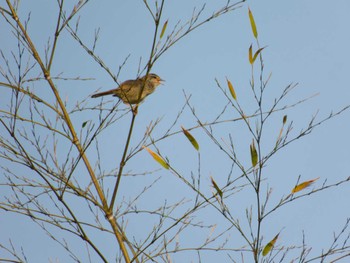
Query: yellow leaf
[
  {"x": 163, "y": 29},
  {"x": 232, "y": 90},
  {"x": 253, "y": 154},
  {"x": 269, "y": 246},
  {"x": 252, "y": 23},
  {"x": 190, "y": 138},
  {"x": 218, "y": 190},
  {"x": 156, "y": 157},
  {"x": 257, "y": 53},
  {"x": 251, "y": 55},
  {"x": 304, "y": 185}
]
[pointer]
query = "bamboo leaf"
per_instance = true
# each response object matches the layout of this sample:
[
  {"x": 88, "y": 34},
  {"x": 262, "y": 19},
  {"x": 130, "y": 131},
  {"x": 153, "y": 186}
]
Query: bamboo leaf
[
  {"x": 216, "y": 187},
  {"x": 304, "y": 185},
  {"x": 253, "y": 154},
  {"x": 163, "y": 29},
  {"x": 269, "y": 246},
  {"x": 257, "y": 53},
  {"x": 281, "y": 131},
  {"x": 251, "y": 55},
  {"x": 156, "y": 157},
  {"x": 232, "y": 90},
  {"x": 279, "y": 137},
  {"x": 284, "y": 119},
  {"x": 252, "y": 23},
  {"x": 190, "y": 138}
]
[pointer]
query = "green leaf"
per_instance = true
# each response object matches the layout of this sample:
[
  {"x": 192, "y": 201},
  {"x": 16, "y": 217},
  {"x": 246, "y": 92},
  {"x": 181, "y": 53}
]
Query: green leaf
[
  {"x": 156, "y": 157},
  {"x": 163, "y": 29},
  {"x": 190, "y": 138},
  {"x": 218, "y": 190},
  {"x": 252, "y": 23},
  {"x": 84, "y": 124},
  {"x": 269, "y": 246},
  {"x": 253, "y": 154},
  {"x": 232, "y": 90}
]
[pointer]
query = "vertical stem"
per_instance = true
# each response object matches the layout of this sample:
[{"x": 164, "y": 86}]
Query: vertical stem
[
  {"x": 122, "y": 163},
  {"x": 259, "y": 129},
  {"x": 134, "y": 111},
  {"x": 75, "y": 139}
]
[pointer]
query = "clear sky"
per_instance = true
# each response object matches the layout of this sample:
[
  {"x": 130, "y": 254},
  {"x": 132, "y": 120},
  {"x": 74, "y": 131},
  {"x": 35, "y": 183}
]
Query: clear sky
[{"x": 306, "y": 43}]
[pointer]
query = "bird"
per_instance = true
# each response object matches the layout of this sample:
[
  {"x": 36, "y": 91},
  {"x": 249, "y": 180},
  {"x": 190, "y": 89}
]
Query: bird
[{"x": 130, "y": 90}]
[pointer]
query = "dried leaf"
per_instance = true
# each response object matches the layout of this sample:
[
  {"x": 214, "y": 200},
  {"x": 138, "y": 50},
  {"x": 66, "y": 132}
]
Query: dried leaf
[
  {"x": 163, "y": 29},
  {"x": 253, "y": 154},
  {"x": 281, "y": 131},
  {"x": 190, "y": 138},
  {"x": 252, "y": 23},
  {"x": 284, "y": 119},
  {"x": 232, "y": 90},
  {"x": 156, "y": 157},
  {"x": 218, "y": 190},
  {"x": 279, "y": 138},
  {"x": 304, "y": 185},
  {"x": 269, "y": 246}
]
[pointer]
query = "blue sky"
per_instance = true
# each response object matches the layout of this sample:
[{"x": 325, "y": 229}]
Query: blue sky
[{"x": 306, "y": 43}]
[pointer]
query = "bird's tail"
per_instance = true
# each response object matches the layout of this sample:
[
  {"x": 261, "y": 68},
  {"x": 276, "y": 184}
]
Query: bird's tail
[{"x": 100, "y": 94}]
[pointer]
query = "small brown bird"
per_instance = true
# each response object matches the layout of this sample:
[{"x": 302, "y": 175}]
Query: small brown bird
[{"x": 130, "y": 90}]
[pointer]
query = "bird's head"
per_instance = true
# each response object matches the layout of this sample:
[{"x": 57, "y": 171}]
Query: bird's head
[{"x": 154, "y": 79}]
